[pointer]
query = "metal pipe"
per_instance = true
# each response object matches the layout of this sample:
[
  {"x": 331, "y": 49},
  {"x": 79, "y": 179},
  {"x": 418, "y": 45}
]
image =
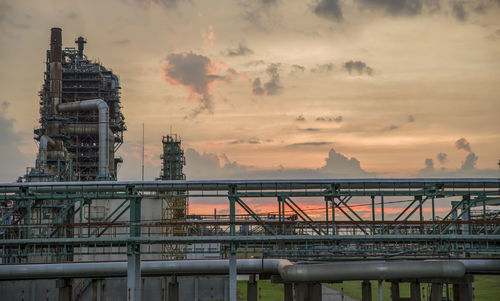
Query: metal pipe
[
  {"x": 338, "y": 271},
  {"x": 102, "y": 107},
  {"x": 45, "y": 141},
  {"x": 343, "y": 271}
]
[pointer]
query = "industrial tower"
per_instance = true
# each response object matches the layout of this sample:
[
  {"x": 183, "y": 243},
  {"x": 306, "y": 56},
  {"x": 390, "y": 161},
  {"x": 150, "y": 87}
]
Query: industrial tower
[{"x": 175, "y": 208}]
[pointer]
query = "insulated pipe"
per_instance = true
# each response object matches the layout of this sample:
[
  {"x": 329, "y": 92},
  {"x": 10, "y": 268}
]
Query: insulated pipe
[
  {"x": 81, "y": 129},
  {"x": 102, "y": 107},
  {"x": 339, "y": 271},
  {"x": 385, "y": 270},
  {"x": 45, "y": 141}
]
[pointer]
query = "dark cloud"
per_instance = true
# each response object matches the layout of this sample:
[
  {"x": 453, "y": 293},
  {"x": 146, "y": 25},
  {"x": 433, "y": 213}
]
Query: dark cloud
[
  {"x": 169, "y": 4},
  {"x": 329, "y": 119},
  {"x": 411, "y": 118},
  {"x": 318, "y": 143},
  {"x": 297, "y": 69},
  {"x": 442, "y": 157},
  {"x": 358, "y": 66},
  {"x": 300, "y": 118},
  {"x": 309, "y": 130},
  {"x": 122, "y": 42},
  {"x": 196, "y": 73},
  {"x": 255, "y": 63},
  {"x": 463, "y": 144},
  {"x": 329, "y": 9},
  {"x": 395, "y": 7},
  {"x": 260, "y": 13},
  {"x": 271, "y": 87},
  {"x": 211, "y": 166},
  {"x": 392, "y": 127},
  {"x": 251, "y": 140},
  {"x": 239, "y": 51},
  {"x": 470, "y": 162},
  {"x": 12, "y": 161},
  {"x": 429, "y": 163},
  {"x": 5, "y": 13},
  {"x": 459, "y": 11},
  {"x": 323, "y": 68}
]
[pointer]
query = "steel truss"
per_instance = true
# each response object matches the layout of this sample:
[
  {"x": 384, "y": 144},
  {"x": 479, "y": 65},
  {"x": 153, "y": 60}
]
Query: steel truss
[{"x": 342, "y": 231}]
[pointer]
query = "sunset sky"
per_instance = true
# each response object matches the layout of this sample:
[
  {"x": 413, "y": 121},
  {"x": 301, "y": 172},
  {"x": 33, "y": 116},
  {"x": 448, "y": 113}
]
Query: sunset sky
[{"x": 274, "y": 88}]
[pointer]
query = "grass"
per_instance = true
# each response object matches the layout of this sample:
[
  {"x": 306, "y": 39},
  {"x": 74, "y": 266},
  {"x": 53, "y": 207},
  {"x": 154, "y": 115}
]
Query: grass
[
  {"x": 267, "y": 290},
  {"x": 486, "y": 288}
]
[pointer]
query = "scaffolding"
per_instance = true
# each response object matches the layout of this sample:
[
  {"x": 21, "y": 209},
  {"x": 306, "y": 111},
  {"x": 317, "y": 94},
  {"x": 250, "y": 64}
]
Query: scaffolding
[{"x": 175, "y": 208}]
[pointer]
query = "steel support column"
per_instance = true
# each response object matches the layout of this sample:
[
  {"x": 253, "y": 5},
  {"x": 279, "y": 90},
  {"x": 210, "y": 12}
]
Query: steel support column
[
  {"x": 134, "y": 288},
  {"x": 252, "y": 289},
  {"x": 366, "y": 290},
  {"x": 232, "y": 256}
]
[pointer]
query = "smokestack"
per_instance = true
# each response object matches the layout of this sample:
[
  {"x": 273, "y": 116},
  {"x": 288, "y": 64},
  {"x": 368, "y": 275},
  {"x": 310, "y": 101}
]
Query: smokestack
[
  {"x": 80, "y": 41},
  {"x": 55, "y": 78}
]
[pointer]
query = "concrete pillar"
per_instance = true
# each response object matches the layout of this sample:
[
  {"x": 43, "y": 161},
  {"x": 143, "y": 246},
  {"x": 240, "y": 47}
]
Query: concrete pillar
[
  {"x": 307, "y": 292},
  {"x": 462, "y": 291},
  {"x": 288, "y": 292},
  {"x": 97, "y": 287},
  {"x": 196, "y": 289},
  {"x": 394, "y": 291},
  {"x": 173, "y": 289},
  {"x": 232, "y": 277},
  {"x": 134, "y": 288},
  {"x": 366, "y": 290},
  {"x": 437, "y": 291},
  {"x": 415, "y": 291},
  {"x": 65, "y": 290},
  {"x": 252, "y": 289}
]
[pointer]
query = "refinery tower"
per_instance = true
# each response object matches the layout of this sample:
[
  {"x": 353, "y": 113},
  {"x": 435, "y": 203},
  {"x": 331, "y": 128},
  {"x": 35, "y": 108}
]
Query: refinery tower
[{"x": 81, "y": 123}]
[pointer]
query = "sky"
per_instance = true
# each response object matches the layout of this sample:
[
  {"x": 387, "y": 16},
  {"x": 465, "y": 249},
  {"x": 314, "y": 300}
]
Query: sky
[{"x": 274, "y": 88}]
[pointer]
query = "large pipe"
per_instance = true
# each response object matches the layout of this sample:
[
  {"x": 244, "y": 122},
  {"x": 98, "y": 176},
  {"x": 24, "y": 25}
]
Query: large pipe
[
  {"x": 102, "y": 107},
  {"x": 385, "y": 270},
  {"x": 45, "y": 142},
  {"x": 338, "y": 271}
]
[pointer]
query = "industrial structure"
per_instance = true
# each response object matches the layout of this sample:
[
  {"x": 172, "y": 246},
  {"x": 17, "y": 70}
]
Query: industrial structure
[
  {"x": 70, "y": 231},
  {"x": 81, "y": 124},
  {"x": 174, "y": 209}
]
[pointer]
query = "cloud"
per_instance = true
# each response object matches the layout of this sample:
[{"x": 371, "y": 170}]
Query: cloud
[
  {"x": 411, "y": 118},
  {"x": 300, "y": 118},
  {"x": 329, "y": 119},
  {"x": 297, "y": 69},
  {"x": 394, "y": 7},
  {"x": 255, "y": 63},
  {"x": 196, "y": 73},
  {"x": 470, "y": 162},
  {"x": 459, "y": 11},
  {"x": 309, "y": 129},
  {"x": 463, "y": 144},
  {"x": 271, "y": 87},
  {"x": 442, "y": 157},
  {"x": 329, "y": 9},
  {"x": 358, "y": 66},
  {"x": 391, "y": 127},
  {"x": 260, "y": 13},
  {"x": 251, "y": 140},
  {"x": 12, "y": 161},
  {"x": 429, "y": 163},
  {"x": 323, "y": 68},
  {"x": 239, "y": 51},
  {"x": 317, "y": 143},
  {"x": 208, "y": 37},
  {"x": 213, "y": 166},
  {"x": 168, "y": 4},
  {"x": 498, "y": 32}
]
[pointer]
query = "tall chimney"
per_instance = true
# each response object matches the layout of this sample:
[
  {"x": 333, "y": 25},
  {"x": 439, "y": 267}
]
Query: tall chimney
[
  {"x": 55, "y": 64},
  {"x": 80, "y": 42}
]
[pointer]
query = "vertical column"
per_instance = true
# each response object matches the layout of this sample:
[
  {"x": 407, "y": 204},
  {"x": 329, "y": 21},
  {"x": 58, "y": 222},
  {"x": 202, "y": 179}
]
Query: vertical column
[
  {"x": 173, "y": 289},
  {"x": 366, "y": 290},
  {"x": 134, "y": 288},
  {"x": 326, "y": 215},
  {"x": 252, "y": 289},
  {"x": 373, "y": 213},
  {"x": 433, "y": 215},
  {"x": 437, "y": 291},
  {"x": 462, "y": 290},
  {"x": 334, "y": 230},
  {"x": 314, "y": 292},
  {"x": 65, "y": 290},
  {"x": 232, "y": 256},
  {"x": 380, "y": 293},
  {"x": 394, "y": 291},
  {"x": 415, "y": 291},
  {"x": 288, "y": 291},
  {"x": 382, "y": 212}
]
